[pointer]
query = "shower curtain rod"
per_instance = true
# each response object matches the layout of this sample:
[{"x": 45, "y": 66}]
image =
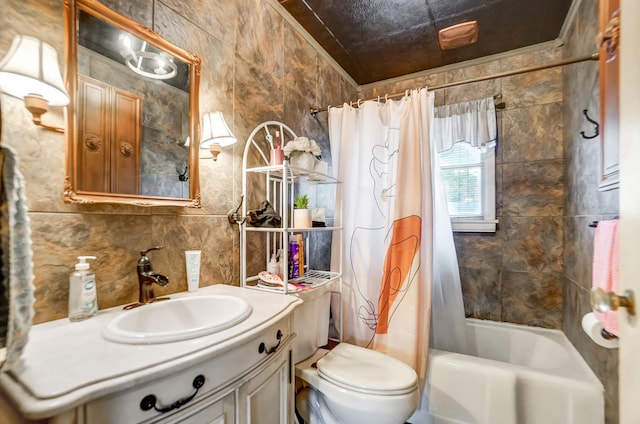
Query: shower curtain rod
[{"x": 594, "y": 56}]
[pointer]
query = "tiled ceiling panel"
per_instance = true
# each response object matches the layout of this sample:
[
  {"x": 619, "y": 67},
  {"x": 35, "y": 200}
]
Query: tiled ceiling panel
[{"x": 375, "y": 40}]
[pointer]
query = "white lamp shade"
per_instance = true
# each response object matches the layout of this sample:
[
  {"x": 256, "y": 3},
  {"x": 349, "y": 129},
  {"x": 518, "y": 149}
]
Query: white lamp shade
[
  {"x": 215, "y": 131},
  {"x": 31, "y": 67}
]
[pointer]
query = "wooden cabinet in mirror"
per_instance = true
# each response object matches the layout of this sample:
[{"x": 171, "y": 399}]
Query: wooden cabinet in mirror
[{"x": 134, "y": 103}]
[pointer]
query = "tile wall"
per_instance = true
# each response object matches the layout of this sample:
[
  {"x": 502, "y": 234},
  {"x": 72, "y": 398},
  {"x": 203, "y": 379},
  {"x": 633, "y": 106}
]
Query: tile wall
[
  {"x": 256, "y": 67},
  {"x": 583, "y": 202}
]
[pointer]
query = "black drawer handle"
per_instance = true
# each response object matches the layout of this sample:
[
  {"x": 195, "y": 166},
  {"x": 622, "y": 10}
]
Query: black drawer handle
[
  {"x": 263, "y": 348},
  {"x": 149, "y": 401}
]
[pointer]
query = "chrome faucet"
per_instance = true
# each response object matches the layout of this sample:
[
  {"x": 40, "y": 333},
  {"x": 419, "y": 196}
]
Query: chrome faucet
[{"x": 146, "y": 279}]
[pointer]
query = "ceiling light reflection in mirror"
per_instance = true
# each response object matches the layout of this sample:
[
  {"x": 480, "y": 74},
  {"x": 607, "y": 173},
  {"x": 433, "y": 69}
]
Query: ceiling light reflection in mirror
[{"x": 148, "y": 64}]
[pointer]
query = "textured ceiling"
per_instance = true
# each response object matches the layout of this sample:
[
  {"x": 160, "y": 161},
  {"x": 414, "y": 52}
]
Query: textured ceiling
[{"x": 374, "y": 40}]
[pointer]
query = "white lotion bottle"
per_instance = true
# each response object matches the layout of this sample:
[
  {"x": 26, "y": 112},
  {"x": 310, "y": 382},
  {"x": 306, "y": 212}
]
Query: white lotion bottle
[
  {"x": 282, "y": 267},
  {"x": 273, "y": 267},
  {"x": 83, "y": 301}
]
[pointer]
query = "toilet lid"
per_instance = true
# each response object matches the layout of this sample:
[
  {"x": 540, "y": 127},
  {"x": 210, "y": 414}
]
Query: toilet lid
[{"x": 366, "y": 371}]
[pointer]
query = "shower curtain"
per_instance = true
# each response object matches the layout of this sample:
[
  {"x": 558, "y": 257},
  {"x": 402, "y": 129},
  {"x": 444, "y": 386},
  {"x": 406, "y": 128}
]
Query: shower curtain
[
  {"x": 401, "y": 282},
  {"x": 398, "y": 290}
]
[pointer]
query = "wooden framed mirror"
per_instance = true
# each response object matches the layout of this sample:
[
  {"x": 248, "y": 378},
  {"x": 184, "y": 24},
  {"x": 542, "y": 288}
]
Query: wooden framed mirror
[{"x": 133, "y": 108}]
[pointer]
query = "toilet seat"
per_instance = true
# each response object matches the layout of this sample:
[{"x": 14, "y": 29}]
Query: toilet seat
[{"x": 366, "y": 371}]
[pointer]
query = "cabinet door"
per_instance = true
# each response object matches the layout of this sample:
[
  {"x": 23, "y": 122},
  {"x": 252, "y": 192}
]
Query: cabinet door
[
  {"x": 206, "y": 412},
  {"x": 125, "y": 153},
  {"x": 93, "y": 135},
  {"x": 109, "y": 130},
  {"x": 267, "y": 398}
]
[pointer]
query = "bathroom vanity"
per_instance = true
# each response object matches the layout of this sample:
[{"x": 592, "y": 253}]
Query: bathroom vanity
[{"x": 71, "y": 373}]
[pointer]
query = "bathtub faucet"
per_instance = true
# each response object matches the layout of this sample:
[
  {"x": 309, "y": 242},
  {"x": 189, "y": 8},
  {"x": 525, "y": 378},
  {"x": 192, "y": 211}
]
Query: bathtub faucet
[{"x": 147, "y": 278}]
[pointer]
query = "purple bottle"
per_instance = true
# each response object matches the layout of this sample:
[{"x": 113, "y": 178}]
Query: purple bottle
[{"x": 294, "y": 261}]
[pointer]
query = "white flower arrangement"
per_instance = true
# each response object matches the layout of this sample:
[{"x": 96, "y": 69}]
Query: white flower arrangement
[{"x": 302, "y": 144}]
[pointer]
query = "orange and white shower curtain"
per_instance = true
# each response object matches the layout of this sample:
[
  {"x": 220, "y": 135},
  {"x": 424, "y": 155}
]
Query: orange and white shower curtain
[
  {"x": 382, "y": 153},
  {"x": 401, "y": 282}
]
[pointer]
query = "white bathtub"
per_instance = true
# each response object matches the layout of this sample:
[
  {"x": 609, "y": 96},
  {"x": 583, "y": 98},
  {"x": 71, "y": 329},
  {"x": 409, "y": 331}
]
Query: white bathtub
[{"x": 522, "y": 375}]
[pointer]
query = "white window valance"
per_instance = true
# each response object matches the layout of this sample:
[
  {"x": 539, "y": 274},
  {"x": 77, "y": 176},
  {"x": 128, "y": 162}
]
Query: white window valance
[{"x": 472, "y": 122}]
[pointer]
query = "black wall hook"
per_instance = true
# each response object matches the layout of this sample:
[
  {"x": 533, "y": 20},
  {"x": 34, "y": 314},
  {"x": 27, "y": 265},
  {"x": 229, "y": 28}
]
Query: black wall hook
[
  {"x": 182, "y": 176},
  {"x": 596, "y": 130}
]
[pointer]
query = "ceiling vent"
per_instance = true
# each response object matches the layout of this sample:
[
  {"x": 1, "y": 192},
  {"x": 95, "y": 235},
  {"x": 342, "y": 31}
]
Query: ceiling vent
[{"x": 458, "y": 35}]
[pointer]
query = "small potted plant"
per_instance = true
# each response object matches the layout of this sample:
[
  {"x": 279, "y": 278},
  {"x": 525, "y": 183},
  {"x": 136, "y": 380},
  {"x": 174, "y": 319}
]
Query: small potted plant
[{"x": 301, "y": 212}]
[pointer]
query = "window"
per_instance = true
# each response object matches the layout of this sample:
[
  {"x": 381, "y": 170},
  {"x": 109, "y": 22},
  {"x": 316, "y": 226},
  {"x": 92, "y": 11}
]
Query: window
[
  {"x": 469, "y": 179},
  {"x": 464, "y": 135}
]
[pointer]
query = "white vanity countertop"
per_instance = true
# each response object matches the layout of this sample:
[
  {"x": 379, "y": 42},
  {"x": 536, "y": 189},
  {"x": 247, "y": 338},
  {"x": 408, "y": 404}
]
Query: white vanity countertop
[{"x": 68, "y": 363}]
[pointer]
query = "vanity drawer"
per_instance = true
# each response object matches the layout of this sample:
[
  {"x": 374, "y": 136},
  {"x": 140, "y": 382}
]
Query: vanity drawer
[{"x": 221, "y": 374}]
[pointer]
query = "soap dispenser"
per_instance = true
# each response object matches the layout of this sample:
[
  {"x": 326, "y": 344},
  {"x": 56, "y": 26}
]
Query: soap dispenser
[{"x": 83, "y": 302}]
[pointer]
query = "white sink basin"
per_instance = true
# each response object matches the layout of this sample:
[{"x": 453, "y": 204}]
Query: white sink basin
[{"x": 177, "y": 319}]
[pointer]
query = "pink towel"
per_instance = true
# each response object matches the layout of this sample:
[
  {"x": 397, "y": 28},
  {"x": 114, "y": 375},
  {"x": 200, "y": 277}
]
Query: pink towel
[{"x": 606, "y": 268}]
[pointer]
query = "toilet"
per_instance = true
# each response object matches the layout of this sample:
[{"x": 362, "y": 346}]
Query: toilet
[{"x": 347, "y": 384}]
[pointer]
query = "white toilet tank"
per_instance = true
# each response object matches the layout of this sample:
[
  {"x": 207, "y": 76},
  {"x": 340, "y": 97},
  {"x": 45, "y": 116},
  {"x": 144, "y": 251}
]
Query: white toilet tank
[{"x": 311, "y": 322}]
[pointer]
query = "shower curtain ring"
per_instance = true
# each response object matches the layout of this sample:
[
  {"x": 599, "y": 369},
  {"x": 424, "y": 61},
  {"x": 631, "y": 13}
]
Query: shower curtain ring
[{"x": 386, "y": 97}]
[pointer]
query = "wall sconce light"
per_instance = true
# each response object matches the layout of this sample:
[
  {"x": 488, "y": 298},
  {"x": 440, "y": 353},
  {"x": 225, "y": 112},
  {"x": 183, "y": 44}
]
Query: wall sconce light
[
  {"x": 30, "y": 71},
  {"x": 215, "y": 134}
]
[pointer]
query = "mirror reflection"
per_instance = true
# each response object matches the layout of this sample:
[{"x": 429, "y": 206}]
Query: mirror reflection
[{"x": 135, "y": 107}]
